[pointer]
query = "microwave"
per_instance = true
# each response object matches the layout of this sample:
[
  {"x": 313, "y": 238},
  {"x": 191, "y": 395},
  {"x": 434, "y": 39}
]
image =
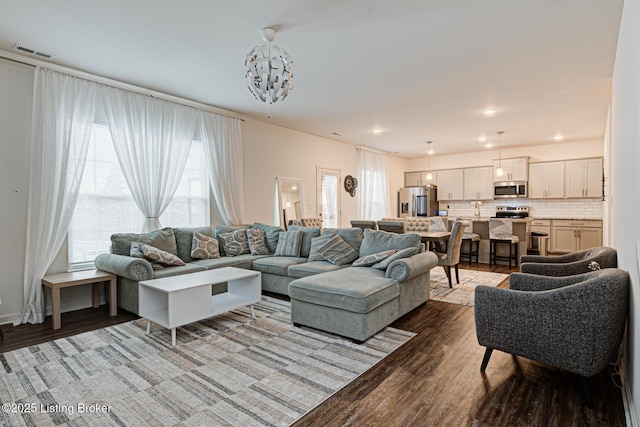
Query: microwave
[{"x": 510, "y": 189}]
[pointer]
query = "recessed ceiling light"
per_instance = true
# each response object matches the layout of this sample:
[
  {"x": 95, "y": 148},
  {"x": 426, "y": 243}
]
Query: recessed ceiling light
[
  {"x": 558, "y": 137},
  {"x": 377, "y": 131},
  {"x": 489, "y": 145},
  {"x": 490, "y": 111},
  {"x": 482, "y": 138}
]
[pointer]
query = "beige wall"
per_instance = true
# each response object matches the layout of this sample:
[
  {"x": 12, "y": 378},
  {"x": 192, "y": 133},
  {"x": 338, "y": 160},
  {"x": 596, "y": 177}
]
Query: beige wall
[
  {"x": 16, "y": 83},
  {"x": 271, "y": 151}
]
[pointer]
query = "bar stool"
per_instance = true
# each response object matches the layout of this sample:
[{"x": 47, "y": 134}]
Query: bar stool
[
  {"x": 471, "y": 241},
  {"x": 501, "y": 232}
]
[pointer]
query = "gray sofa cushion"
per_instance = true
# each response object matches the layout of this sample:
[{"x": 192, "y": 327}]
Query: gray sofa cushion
[
  {"x": 307, "y": 234},
  {"x": 241, "y": 261},
  {"x": 289, "y": 243},
  {"x": 354, "y": 289},
  {"x": 163, "y": 239},
  {"x": 276, "y": 264},
  {"x": 184, "y": 240},
  {"x": 175, "y": 271},
  {"x": 375, "y": 241},
  {"x": 307, "y": 269},
  {"x": 271, "y": 233},
  {"x": 338, "y": 252}
]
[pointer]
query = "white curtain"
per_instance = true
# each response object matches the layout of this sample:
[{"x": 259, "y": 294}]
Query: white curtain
[
  {"x": 62, "y": 117},
  {"x": 152, "y": 138},
  {"x": 373, "y": 185},
  {"x": 222, "y": 137},
  {"x": 330, "y": 198}
]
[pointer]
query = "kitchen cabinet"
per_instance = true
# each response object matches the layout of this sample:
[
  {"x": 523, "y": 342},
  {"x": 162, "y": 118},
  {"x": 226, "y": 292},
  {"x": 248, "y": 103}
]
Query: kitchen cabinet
[
  {"x": 575, "y": 235},
  {"x": 478, "y": 183},
  {"x": 546, "y": 180},
  {"x": 583, "y": 178},
  {"x": 516, "y": 169},
  {"x": 450, "y": 184},
  {"x": 415, "y": 179}
]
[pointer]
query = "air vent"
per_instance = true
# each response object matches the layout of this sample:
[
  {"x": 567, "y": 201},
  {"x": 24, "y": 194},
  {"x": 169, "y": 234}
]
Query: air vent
[{"x": 32, "y": 51}]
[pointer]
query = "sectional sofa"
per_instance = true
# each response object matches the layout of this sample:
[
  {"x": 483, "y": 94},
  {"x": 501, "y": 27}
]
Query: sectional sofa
[{"x": 348, "y": 300}]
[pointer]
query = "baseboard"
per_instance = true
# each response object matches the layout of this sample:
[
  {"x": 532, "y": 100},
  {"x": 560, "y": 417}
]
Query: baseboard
[
  {"x": 627, "y": 399},
  {"x": 9, "y": 318}
]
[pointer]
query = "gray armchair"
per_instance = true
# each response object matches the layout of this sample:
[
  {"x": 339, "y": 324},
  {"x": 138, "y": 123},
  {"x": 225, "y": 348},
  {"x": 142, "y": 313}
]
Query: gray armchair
[
  {"x": 570, "y": 264},
  {"x": 574, "y": 323}
]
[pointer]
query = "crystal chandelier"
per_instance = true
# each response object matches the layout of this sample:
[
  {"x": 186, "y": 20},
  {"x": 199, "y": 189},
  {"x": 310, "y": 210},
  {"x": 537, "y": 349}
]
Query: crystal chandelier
[{"x": 269, "y": 70}]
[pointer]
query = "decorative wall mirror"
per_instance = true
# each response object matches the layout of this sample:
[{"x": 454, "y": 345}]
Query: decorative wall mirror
[{"x": 291, "y": 204}]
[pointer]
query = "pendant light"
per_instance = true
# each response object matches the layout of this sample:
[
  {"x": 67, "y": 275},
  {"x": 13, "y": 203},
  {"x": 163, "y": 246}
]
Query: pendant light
[
  {"x": 500, "y": 171},
  {"x": 429, "y": 152}
]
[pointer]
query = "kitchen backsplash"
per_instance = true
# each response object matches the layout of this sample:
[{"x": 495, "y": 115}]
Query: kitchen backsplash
[{"x": 569, "y": 208}]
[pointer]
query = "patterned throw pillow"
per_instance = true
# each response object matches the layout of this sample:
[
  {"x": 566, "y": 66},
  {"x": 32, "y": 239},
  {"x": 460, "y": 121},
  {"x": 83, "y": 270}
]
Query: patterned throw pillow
[
  {"x": 136, "y": 252},
  {"x": 257, "y": 242},
  {"x": 159, "y": 256},
  {"x": 235, "y": 242},
  {"x": 369, "y": 260},
  {"x": 204, "y": 247},
  {"x": 316, "y": 244},
  {"x": 289, "y": 243},
  {"x": 337, "y": 251},
  {"x": 402, "y": 253}
]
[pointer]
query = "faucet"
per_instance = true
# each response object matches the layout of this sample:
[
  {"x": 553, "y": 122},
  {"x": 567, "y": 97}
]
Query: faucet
[{"x": 477, "y": 205}]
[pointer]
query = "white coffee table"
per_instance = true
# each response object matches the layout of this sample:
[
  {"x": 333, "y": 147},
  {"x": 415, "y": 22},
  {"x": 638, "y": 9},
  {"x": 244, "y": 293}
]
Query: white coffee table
[{"x": 179, "y": 300}]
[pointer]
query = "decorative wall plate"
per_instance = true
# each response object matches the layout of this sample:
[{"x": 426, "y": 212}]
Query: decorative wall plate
[{"x": 350, "y": 184}]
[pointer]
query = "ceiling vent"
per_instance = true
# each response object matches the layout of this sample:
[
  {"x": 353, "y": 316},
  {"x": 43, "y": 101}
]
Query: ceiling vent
[{"x": 32, "y": 52}]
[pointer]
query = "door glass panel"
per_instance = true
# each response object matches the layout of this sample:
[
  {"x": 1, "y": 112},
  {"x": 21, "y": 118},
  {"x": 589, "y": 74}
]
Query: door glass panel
[{"x": 329, "y": 197}]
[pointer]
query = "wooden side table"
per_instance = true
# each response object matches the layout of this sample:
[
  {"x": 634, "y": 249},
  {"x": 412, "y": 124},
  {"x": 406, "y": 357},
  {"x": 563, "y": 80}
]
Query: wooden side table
[{"x": 76, "y": 278}]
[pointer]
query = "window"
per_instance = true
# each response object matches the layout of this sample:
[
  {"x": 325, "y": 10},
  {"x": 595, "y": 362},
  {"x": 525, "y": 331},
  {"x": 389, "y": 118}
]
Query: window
[{"x": 105, "y": 204}]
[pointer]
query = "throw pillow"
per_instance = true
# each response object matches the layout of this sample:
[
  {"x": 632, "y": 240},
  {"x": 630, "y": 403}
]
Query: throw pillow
[
  {"x": 160, "y": 256},
  {"x": 204, "y": 247},
  {"x": 337, "y": 251},
  {"x": 316, "y": 244},
  {"x": 289, "y": 243},
  {"x": 402, "y": 253},
  {"x": 308, "y": 234},
  {"x": 377, "y": 241},
  {"x": 369, "y": 260},
  {"x": 257, "y": 242},
  {"x": 271, "y": 233},
  {"x": 136, "y": 252},
  {"x": 235, "y": 242}
]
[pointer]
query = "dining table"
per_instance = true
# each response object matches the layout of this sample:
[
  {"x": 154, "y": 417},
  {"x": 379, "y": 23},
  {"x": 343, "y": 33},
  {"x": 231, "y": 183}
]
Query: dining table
[{"x": 434, "y": 239}]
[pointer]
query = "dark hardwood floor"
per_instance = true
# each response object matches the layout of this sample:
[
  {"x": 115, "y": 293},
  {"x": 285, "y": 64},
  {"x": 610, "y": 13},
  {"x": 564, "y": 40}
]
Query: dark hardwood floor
[{"x": 433, "y": 380}]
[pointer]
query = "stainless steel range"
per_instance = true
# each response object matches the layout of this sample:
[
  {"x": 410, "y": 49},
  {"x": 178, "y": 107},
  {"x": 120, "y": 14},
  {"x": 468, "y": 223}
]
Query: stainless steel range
[{"x": 512, "y": 212}]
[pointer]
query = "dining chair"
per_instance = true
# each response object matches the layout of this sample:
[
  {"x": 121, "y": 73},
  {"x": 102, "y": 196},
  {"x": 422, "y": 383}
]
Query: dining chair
[
  {"x": 364, "y": 224},
  {"x": 452, "y": 257}
]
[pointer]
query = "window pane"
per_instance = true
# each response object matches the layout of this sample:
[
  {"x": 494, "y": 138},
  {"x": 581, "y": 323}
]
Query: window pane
[{"x": 105, "y": 204}]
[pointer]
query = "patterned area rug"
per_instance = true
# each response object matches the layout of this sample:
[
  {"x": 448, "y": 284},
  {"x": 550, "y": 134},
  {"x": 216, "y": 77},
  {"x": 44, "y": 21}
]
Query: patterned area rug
[
  {"x": 464, "y": 292},
  {"x": 229, "y": 370}
]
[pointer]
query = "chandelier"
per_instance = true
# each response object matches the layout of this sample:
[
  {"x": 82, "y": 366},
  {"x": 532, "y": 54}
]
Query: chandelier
[{"x": 269, "y": 70}]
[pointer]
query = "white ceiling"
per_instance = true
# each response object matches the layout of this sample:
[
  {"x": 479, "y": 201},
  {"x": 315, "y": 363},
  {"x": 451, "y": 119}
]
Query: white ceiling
[{"x": 419, "y": 70}]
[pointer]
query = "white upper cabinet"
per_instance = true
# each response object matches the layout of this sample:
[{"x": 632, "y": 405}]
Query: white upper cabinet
[
  {"x": 516, "y": 169},
  {"x": 546, "y": 180},
  {"x": 478, "y": 183},
  {"x": 450, "y": 184},
  {"x": 415, "y": 179},
  {"x": 583, "y": 178}
]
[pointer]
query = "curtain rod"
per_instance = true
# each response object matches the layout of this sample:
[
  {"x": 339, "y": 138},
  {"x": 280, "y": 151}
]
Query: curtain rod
[
  {"x": 373, "y": 150},
  {"x": 33, "y": 62}
]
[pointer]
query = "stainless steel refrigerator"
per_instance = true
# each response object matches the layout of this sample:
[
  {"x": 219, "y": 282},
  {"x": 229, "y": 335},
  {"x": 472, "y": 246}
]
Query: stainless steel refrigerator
[{"x": 418, "y": 201}]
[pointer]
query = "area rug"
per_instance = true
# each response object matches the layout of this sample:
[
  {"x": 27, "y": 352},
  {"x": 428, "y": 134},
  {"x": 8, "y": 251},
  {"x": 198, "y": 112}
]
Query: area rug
[
  {"x": 229, "y": 370},
  {"x": 462, "y": 293}
]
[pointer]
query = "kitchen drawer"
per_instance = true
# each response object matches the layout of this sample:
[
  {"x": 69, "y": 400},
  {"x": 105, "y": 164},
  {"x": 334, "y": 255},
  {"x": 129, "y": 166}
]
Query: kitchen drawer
[
  {"x": 590, "y": 223},
  {"x": 541, "y": 223}
]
